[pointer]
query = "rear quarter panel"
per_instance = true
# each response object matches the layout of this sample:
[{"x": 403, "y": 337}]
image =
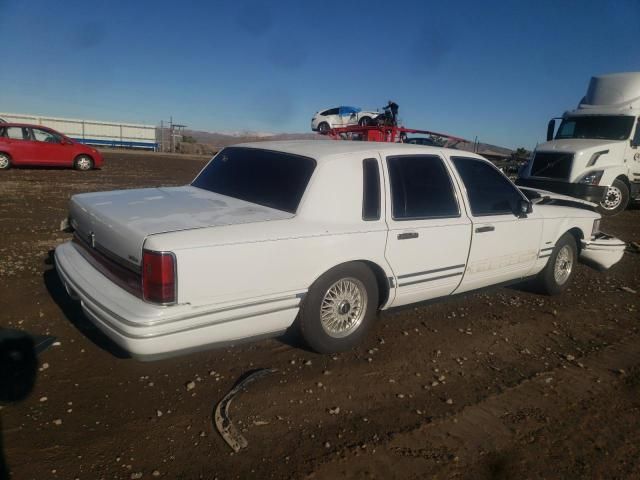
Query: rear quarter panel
[{"x": 260, "y": 260}]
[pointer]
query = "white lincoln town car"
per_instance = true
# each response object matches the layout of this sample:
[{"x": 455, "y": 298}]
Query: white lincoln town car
[{"x": 316, "y": 235}]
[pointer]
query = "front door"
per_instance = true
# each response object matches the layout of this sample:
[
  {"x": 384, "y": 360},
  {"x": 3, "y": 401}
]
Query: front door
[
  {"x": 504, "y": 246},
  {"x": 429, "y": 235},
  {"x": 49, "y": 149},
  {"x": 347, "y": 116}
]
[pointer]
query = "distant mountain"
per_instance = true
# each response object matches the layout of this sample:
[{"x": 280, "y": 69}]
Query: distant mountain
[
  {"x": 213, "y": 141},
  {"x": 481, "y": 148}
]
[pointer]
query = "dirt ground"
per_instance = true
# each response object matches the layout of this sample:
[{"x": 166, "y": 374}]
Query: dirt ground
[{"x": 500, "y": 384}]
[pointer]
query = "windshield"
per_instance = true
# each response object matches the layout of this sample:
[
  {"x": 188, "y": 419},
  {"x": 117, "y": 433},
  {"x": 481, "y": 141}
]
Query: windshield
[
  {"x": 607, "y": 127},
  {"x": 273, "y": 179}
]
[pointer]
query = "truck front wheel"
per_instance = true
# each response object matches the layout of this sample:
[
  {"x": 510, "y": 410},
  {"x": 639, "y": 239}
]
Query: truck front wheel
[{"x": 616, "y": 199}]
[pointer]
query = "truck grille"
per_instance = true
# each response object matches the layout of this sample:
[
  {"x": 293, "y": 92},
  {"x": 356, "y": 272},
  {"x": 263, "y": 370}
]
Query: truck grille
[{"x": 552, "y": 165}]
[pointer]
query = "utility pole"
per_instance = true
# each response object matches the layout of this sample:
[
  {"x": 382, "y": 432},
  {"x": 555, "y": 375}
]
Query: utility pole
[{"x": 171, "y": 141}]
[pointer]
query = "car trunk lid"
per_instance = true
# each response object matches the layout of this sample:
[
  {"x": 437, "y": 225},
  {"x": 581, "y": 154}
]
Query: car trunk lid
[{"x": 116, "y": 223}]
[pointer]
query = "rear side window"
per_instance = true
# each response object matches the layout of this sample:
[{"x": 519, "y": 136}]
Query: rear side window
[
  {"x": 420, "y": 188},
  {"x": 18, "y": 133},
  {"x": 370, "y": 189},
  {"x": 273, "y": 179},
  {"x": 489, "y": 191}
]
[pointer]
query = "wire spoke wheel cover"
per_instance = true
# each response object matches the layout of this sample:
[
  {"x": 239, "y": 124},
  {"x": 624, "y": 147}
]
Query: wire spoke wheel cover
[
  {"x": 343, "y": 307},
  {"x": 4, "y": 161},
  {"x": 563, "y": 265}
]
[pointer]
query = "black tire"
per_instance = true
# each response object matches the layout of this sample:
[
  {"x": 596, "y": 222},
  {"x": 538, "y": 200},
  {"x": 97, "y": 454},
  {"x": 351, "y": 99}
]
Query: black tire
[
  {"x": 547, "y": 280},
  {"x": 83, "y": 163},
  {"x": 323, "y": 128},
  {"x": 5, "y": 161},
  {"x": 616, "y": 199},
  {"x": 316, "y": 333},
  {"x": 364, "y": 121}
]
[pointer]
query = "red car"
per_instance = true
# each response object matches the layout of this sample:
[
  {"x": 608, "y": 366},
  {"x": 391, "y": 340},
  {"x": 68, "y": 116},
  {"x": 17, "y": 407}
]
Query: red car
[{"x": 22, "y": 144}]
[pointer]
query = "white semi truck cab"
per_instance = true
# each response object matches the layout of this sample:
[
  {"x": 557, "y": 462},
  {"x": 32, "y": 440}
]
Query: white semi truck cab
[{"x": 595, "y": 153}]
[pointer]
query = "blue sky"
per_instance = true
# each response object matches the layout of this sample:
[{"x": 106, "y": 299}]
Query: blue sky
[{"x": 495, "y": 69}]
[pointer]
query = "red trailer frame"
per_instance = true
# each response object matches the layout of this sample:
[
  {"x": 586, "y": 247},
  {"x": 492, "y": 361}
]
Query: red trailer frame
[{"x": 380, "y": 133}]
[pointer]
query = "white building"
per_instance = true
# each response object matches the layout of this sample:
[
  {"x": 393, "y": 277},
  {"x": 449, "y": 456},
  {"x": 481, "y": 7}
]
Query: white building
[{"x": 93, "y": 132}]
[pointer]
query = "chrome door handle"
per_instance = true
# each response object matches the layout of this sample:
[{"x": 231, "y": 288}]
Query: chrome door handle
[
  {"x": 407, "y": 235},
  {"x": 487, "y": 228}
]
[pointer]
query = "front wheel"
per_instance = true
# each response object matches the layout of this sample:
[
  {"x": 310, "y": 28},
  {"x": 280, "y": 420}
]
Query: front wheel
[
  {"x": 616, "y": 199},
  {"x": 83, "y": 163},
  {"x": 339, "y": 308},
  {"x": 560, "y": 269},
  {"x": 364, "y": 121}
]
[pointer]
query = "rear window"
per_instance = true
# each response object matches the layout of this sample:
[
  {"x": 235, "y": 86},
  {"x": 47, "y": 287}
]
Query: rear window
[{"x": 273, "y": 179}]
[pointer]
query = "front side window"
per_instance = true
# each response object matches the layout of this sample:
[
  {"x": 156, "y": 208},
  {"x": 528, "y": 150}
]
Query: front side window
[
  {"x": 420, "y": 188},
  {"x": 605, "y": 127},
  {"x": 273, "y": 179},
  {"x": 636, "y": 137},
  {"x": 348, "y": 111},
  {"x": 489, "y": 191},
  {"x": 45, "y": 136}
]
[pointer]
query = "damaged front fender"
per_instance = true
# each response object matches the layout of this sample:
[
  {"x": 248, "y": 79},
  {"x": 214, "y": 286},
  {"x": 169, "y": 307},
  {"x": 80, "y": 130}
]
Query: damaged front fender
[{"x": 602, "y": 251}]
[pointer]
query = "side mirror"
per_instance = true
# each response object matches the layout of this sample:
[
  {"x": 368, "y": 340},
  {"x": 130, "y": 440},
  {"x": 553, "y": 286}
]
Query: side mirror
[
  {"x": 551, "y": 128},
  {"x": 523, "y": 208}
]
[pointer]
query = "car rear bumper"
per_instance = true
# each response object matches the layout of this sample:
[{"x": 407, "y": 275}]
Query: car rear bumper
[
  {"x": 602, "y": 252},
  {"x": 149, "y": 331},
  {"x": 590, "y": 193}
]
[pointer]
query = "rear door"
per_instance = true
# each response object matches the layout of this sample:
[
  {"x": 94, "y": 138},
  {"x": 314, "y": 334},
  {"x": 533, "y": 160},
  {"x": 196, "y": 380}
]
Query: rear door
[
  {"x": 331, "y": 117},
  {"x": 429, "y": 234},
  {"x": 18, "y": 144},
  {"x": 504, "y": 247},
  {"x": 49, "y": 149}
]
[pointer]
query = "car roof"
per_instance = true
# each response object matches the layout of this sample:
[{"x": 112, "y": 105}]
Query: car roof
[
  {"x": 24, "y": 125},
  {"x": 320, "y": 149}
]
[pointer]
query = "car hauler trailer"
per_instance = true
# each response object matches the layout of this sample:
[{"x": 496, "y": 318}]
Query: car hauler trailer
[
  {"x": 93, "y": 132},
  {"x": 595, "y": 154},
  {"x": 381, "y": 133}
]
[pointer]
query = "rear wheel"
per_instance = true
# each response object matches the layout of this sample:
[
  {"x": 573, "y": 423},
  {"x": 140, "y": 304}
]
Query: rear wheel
[
  {"x": 364, "y": 121},
  {"x": 339, "y": 308},
  {"x": 616, "y": 198},
  {"x": 5, "y": 161},
  {"x": 323, "y": 128},
  {"x": 83, "y": 163},
  {"x": 560, "y": 269}
]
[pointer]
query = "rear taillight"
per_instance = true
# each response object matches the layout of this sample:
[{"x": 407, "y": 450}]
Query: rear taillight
[{"x": 159, "y": 277}]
